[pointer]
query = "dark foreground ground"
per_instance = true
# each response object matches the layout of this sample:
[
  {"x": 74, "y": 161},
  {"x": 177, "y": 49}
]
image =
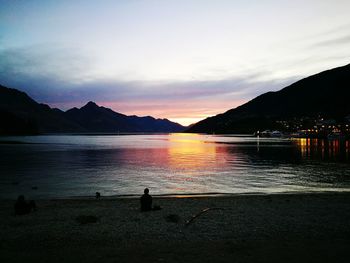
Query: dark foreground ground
[{"x": 243, "y": 228}]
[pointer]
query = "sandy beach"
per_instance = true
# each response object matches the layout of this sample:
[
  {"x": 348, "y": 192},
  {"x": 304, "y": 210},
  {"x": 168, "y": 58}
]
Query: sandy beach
[{"x": 310, "y": 227}]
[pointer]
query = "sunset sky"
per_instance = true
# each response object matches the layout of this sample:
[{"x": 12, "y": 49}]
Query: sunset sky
[{"x": 181, "y": 60}]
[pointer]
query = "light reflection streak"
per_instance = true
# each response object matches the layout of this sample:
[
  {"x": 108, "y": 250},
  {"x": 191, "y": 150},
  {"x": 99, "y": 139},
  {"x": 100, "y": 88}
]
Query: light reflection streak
[{"x": 327, "y": 149}]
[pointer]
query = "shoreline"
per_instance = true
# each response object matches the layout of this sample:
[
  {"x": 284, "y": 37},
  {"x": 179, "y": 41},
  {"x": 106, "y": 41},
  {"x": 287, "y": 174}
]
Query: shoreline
[{"x": 191, "y": 195}]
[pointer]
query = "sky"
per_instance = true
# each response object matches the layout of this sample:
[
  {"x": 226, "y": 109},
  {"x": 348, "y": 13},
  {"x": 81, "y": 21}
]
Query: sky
[{"x": 183, "y": 60}]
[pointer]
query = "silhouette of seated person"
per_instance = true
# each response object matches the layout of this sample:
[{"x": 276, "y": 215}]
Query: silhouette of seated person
[
  {"x": 23, "y": 207},
  {"x": 146, "y": 201}
]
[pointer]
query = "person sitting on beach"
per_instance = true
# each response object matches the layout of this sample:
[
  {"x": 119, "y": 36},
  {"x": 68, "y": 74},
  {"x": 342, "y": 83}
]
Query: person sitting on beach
[
  {"x": 22, "y": 207},
  {"x": 146, "y": 201},
  {"x": 98, "y": 195}
]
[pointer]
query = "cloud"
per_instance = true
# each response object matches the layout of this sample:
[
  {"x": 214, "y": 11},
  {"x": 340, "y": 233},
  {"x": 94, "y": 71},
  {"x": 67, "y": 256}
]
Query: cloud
[
  {"x": 331, "y": 31},
  {"x": 45, "y": 61},
  {"x": 63, "y": 77},
  {"x": 340, "y": 40}
]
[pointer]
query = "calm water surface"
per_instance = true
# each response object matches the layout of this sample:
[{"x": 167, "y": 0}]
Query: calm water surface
[{"x": 71, "y": 165}]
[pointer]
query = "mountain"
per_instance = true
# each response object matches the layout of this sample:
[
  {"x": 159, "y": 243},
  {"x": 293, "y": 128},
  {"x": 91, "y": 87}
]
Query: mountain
[
  {"x": 324, "y": 94},
  {"x": 20, "y": 114},
  {"x": 100, "y": 119}
]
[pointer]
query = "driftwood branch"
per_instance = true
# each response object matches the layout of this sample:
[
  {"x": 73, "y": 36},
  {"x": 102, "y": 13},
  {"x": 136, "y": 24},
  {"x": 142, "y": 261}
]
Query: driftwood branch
[{"x": 188, "y": 222}]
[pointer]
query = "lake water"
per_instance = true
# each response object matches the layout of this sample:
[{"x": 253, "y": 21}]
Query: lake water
[{"x": 72, "y": 165}]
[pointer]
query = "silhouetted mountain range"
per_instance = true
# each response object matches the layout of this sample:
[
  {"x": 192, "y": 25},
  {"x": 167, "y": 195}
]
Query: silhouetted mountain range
[
  {"x": 325, "y": 94},
  {"x": 20, "y": 114},
  {"x": 100, "y": 119}
]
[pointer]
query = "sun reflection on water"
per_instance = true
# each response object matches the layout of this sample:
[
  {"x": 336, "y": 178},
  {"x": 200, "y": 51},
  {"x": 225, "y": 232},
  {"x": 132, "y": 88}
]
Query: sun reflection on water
[{"x": 188, "y": 152}]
